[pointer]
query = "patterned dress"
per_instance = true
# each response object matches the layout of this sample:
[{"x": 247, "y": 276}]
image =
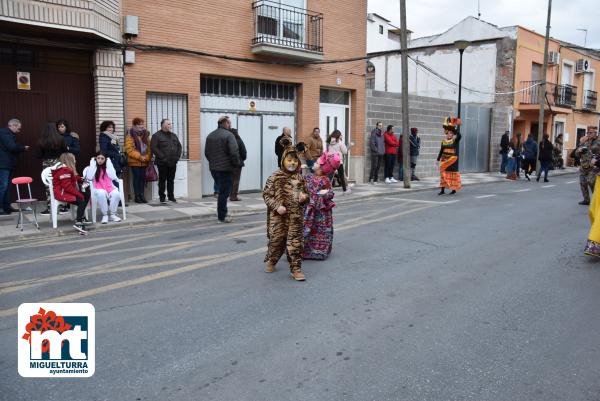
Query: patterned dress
[
  {"x": 318, "y": 219},
  {"x": 448, "y": 158}
]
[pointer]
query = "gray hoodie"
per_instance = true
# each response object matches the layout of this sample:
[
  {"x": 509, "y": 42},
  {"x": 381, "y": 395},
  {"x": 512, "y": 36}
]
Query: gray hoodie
[{"x": 376, "y": 142}]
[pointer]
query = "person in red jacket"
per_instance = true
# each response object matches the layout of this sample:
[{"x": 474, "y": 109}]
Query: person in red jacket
[
  {"x": 66, "y": 183},
  {"x": 391, "y": 148}
]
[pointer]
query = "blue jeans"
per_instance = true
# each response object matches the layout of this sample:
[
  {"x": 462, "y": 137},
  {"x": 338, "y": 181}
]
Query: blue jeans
[
  {"x": 545, "y": 166},
  {"x": 5, "y": 186},
  {"x": 503, "y": 163},
  {"x": 224, "y": 181}
]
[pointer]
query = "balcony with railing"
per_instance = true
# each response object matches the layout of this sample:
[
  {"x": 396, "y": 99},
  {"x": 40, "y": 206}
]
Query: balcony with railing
[
  {"x": 590, "y": 99},
  {"x": 286, "y": 31},
  {"x": 560, "y": 96}
]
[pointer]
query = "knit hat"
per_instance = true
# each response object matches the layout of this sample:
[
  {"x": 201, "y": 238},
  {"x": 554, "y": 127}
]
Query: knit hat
[{"x": 414, "y": 130}]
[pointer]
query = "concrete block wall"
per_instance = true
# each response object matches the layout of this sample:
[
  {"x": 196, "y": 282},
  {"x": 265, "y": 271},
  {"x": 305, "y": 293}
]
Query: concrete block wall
[{"x": 427, "y": 114}]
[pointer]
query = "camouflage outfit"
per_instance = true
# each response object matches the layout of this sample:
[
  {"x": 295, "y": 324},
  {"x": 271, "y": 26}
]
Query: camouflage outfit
[{"x": 587, "y": 172}]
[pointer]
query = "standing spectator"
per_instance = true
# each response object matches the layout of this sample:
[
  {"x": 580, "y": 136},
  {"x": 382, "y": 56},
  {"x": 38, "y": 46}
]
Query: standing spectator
[
  {"x": 546, "y": 150},
  {"x": 391, "y": 148},
  {"x": 530, "y": 148},
  {"x": 9, "y": 148},
  {"x": 71, "y": 138},
  {"x": 415, "y": 148},
  {"x": 223, "y": 155},
  {"x": 139, "y": 154},
  {"x": 287, "y": 132},
  {"x": 109, "y": 145},
  {"x": 167, "y": 151},
  {"x": 66, "y": 185},
  {"x": 335, "y": 144},
  {"x": 102, "y": 173},
  {"x": 517, "y": 152},
  {"x": 237, "y": 172},
  {"x": 377, "y": 148},
  {"x": 504, "y": 145},
  {"x": 558, "y": 161},
  {"x": 400, "y": 159},
  {"x": 314, "y": 148},
  {"x": 589, "y": 149},
  {"x": 49, "y": 148}
]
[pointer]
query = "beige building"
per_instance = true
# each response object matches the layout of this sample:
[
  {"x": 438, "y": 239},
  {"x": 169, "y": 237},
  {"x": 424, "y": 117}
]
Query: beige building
[{"x": 57, "y": 60}]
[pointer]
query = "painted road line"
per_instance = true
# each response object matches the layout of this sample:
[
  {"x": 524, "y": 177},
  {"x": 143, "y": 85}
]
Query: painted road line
[
  {"x": 522, "y": 190},
  {"x": 484, "y": 196},
  {"x": 571, "y": 182},
  {"x": 423, "y": 201},
  {"x": 548, "y": 186},
  {"x": 192, "y": 267}
]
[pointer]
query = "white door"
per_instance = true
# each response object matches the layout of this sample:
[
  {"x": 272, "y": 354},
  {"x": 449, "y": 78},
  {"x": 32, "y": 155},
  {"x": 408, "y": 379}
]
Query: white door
[
  {"x": 272, "y": 127},
  {"x": 249, "y": 127},
  {"x": 567, "y": 71},
  {"x": 332, "y": 117}
]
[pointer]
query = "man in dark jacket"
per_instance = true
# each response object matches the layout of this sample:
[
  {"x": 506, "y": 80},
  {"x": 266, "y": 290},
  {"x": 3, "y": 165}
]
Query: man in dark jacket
[
  {"x": 237, "y": 172},
  {"x": 287, "y": 132},
  {"x": 9, "y": 148},
  {"x": 415, "y": 148},
  {"x": 223, "y": 155},
  {"x": 504, "y": 145},
  {"x": 377, "y": 148},
  {"x": 167, "y": 150}
]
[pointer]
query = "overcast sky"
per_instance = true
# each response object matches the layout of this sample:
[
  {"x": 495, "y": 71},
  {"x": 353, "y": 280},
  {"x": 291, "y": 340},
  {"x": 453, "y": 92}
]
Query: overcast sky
[{"x": 428, "y": 17}]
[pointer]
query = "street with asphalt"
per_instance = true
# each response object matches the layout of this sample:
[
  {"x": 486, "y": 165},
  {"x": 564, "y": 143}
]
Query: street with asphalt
[{"x": 484, "y": 295}]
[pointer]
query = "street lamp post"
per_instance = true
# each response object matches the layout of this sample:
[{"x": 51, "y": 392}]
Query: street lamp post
[{"x": 461, "y": 45}]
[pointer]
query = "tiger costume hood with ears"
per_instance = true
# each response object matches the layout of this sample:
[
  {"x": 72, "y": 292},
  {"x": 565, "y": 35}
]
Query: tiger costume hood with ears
[{"x": 290, "y": 150}]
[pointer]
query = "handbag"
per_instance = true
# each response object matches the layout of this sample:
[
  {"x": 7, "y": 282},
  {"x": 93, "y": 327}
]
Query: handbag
[
  {"x": 151, "y": 174},
  {"x": 123, "y": 159}
]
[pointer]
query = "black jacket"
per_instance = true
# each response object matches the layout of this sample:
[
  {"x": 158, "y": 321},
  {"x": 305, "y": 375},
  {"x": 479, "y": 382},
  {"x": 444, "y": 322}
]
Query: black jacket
[
  {"x": 504, "y": 144},
  {"x": 546, "y": 149},
  {"x": 110, "y": 150},
  {"x": 166, "y": 148},
  {"x": 9, "y": 148},
  {"x": 47, "y": 153},
  {"x": 221, "y": 150},
  {"x": 72, "y": 142},
  {"x": 279, "y": 149},
  {"x": 415, "y": 144},
  {"x": 241, "y": 148}
]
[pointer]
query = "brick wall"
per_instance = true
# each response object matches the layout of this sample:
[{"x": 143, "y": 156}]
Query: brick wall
[
  {"x": 226, "y": 27},
  {"x": 427, "y": 114}
]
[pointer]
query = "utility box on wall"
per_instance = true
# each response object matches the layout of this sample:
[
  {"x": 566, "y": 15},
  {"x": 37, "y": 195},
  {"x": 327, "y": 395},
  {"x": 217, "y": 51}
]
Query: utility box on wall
[{"x": 130, "y": 25}]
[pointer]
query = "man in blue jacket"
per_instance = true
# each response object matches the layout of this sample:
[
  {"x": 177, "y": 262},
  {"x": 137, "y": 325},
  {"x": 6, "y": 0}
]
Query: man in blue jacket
[{"x": 9, "y": 148}]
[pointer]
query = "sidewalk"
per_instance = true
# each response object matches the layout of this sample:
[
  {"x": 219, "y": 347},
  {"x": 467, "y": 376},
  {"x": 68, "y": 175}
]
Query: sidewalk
[{"x": 206, "y": 208}]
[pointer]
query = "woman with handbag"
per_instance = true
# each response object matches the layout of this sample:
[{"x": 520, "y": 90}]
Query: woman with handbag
[
  {"x": 109, "y": 146},
  {"x": 137, "y": 147}
]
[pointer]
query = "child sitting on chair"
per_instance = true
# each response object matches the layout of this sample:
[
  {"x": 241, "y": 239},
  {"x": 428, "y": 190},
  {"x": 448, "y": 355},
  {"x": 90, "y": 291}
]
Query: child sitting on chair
[
  {"x": 102, "y": 174},
  {"x": 65, "y": 183}
]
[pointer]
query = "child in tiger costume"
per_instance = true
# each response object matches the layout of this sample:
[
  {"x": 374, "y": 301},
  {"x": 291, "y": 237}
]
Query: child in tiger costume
[{"x": 285, "y": 195}]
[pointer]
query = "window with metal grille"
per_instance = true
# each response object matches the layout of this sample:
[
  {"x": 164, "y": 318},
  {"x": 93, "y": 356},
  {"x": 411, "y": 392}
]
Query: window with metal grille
[
  {"x": 172, "y": 106},
  {"x": 249, "y": 88}
]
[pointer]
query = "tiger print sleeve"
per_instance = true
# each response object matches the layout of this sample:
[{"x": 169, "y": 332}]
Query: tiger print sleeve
[{"x": 270, "y": 196}]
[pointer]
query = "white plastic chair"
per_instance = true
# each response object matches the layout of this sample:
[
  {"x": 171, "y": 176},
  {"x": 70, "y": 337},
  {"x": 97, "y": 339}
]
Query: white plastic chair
[
  {"x": 94, "y": 200},
  {"x": 54, "y": 204}
]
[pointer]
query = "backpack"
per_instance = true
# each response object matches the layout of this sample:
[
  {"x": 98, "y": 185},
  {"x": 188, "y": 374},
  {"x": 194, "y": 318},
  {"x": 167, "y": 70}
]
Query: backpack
[{"x": 330, "y": 162}]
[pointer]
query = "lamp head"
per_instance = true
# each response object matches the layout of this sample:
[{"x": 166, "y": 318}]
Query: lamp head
[{"x": 462, "y": 44}]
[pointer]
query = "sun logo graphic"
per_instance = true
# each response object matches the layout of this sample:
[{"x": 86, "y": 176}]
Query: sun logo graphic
[{"x": 56, "y": 340}]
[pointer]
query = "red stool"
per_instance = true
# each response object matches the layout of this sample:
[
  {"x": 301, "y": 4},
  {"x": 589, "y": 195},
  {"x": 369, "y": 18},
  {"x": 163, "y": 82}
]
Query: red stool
[{"x": 29, "y": 201}]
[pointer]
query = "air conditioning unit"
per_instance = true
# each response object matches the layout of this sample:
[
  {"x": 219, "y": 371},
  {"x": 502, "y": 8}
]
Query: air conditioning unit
[
  {"x": 582, "y": 66},
  {"x": 553, "y": 58}
]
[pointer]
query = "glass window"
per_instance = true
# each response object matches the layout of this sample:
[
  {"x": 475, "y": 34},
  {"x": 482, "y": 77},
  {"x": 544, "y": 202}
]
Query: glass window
[{"x": 381, "y": 29}]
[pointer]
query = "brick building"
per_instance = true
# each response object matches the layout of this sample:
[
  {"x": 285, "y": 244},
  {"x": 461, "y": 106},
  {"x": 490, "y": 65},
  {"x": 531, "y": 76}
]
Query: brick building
[{"x": 261, "y": 98}]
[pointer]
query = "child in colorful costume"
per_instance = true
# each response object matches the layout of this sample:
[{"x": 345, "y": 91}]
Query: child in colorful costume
[
  {"x": 448, "y": 157},
  {"x": 318, "y": 218},
  {"x": 285, "y": 194}
]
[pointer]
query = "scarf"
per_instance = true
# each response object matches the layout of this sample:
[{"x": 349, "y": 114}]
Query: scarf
[
  {"x": 140, "y": 138},
  {"x": 113, "y": 137}
]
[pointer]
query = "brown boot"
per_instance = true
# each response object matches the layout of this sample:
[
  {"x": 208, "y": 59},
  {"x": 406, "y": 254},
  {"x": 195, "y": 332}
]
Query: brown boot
[
  {"x": 269, "y": 267},
  {"x": 298, "y": 275}
]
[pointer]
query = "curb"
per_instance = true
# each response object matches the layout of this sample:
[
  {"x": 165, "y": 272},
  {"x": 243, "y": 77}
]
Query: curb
[{"x": 64, "y": 232}]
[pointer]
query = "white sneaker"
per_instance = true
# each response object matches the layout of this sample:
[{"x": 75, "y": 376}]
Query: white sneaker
[
  {"x": 347, "y": 192},
  {"x": 115, "y": 218},
  {"x": 387, "y": 181},
  {"x": 393, "y": 180},
  {"x": 104, "y": 219}
]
